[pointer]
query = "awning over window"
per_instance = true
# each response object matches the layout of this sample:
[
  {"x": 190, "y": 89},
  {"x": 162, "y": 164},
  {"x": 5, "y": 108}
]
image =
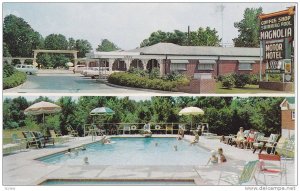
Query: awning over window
[
  {"x": 246, "y": 61},
  {"x": 179, "y": 61},
  {"x": 207, "y": 61}
]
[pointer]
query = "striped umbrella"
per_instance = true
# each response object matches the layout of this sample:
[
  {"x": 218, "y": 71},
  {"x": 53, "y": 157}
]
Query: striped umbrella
[{"x": 102, "y": 111}]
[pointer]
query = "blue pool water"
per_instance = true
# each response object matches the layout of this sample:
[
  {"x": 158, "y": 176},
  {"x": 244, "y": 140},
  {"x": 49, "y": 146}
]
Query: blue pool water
[
  {"x": 116, "y": 182},
  {"x": 135, "y": 151}
]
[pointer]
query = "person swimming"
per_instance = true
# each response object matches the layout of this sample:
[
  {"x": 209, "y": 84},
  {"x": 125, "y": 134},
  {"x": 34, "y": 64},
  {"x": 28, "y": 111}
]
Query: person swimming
[
  {"x": 68, "y": 152},
  {"x": 86, "y": 160},
  {"x": 213, "y": 159},
  {"x": 156, "y": 144},
  {"x": 105, "y": 140},
  {"x": 175, "y": 147}
]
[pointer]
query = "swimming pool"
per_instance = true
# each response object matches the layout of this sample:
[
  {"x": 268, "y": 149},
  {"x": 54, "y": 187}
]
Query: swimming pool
[
  {"x": 83, "y": 182},
  {"x": 134, "y": 151}
]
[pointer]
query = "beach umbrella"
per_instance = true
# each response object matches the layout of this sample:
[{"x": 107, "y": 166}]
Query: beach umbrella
[
  {"x": 43, "y": 108},
  {"x": 193, "y": 111},
  {"x": 102, "y": 111}
]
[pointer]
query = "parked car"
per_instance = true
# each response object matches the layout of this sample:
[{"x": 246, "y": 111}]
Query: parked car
[
  {"x": 94, "y": 73},
  {"x": 84, "y": 72},
  {"x": 79, "y": 68},
  {"x": 28, "y": 69}
]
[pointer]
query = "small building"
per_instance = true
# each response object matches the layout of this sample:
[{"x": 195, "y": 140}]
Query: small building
[
  {"x": 203, "y": 62},
  {"x": 288, "y": 117}
]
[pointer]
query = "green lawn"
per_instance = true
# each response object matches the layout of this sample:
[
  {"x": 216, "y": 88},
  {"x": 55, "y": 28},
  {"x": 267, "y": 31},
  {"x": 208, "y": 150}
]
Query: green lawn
[
  {"x": 248, "y": 89},
  {"x": 8, "y": 132}
]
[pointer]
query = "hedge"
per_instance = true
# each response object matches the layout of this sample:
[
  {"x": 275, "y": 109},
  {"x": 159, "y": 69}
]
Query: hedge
[
  {"x": 132, "y": 80},
  {"x": 14, "y": 80}
]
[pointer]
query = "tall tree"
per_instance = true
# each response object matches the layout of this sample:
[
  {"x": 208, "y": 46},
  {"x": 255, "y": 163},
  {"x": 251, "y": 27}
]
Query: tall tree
[
  {"x": 204, "y": 37},
  {"x": 19, "y": 37},
  {"x": 107, "y": 46},
  {"x": 71, "y": 44},
  {"x": 83, "y": 46},
  {"x": 248, "y": 29},
  {"x": 201, "y": 37},
  {"x": 56, "y": 42}
]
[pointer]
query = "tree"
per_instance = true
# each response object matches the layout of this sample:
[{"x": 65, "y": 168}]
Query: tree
[
  {"x": 71, "y": 44},
  {"x": 6, "y": 50},
  {"x": 56, "y": 42},
  {"x": 83, "y": 46},
  {"x": 107, "y": 46},
  {"x": 248, "y": 29},
  {"x": 204, "y": 37},
  {"x": 19, "y": 37},
  {"x": 201, "y": 37}
]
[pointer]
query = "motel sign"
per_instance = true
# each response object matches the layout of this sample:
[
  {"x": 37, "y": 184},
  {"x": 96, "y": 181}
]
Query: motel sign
[{"x": 276, "y": 34}]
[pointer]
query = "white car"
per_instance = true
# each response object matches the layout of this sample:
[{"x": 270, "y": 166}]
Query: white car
[
  {"x": 28, "y": 69},
  {"x": 84, "y": 72},
  {"x": 94, "y": 73}
]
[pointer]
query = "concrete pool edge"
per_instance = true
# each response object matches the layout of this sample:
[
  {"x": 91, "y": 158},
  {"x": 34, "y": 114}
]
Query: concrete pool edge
[{"x": 194, "y": 181}]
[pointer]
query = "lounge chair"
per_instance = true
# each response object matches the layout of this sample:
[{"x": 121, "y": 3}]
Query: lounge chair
[
  {"x": 44, "y": 139},
  {"x": 126, "y": 128},
  {"x": 146, "y": 131},
  {"x": 247, "y": 175},
  {"x": 31, "y": 140},
  {"x": 286, "y": 148},
  {"x": 58, "y": 137},
  {"x": 169, "y": 127},
  {"x": 262, "y": 144},
  {"x": 72, "y": 132},
  {"x": 272, "y": 170}
]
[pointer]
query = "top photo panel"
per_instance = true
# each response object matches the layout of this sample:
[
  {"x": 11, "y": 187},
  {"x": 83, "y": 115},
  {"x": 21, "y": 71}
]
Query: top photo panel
[{"x": 157, "y": 48}]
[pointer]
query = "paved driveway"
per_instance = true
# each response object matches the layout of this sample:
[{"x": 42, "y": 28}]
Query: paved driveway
[{"x": 67, "y": 82}]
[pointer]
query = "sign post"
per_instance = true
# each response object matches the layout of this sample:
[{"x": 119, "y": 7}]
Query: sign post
[{"x": 276, "y": 40}]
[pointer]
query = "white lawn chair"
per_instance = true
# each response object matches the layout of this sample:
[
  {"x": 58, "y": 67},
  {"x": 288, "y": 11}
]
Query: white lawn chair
[{"x": 247, "y": 175}]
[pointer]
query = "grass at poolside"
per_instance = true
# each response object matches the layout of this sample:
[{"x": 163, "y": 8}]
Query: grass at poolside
[
  {"x": 6, "y": 133},
  {"x": 248, "y": 89}
]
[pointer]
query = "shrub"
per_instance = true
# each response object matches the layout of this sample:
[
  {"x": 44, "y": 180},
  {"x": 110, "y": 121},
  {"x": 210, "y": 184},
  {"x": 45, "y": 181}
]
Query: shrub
[
  {"x": 154, "y": 74},
  {"x": 133, "y": 80},
  {"x": 14, "y": 80},
  {"x": 228, "y": 81},
  {"x": 220, "y": 78},
  {"x": 8, "y": 70},
  {"x": 240, "y": 80},
  {"x": 253, "y": 79}
]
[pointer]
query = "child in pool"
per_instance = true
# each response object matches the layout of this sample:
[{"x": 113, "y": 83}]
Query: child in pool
[
  {"x": 222, "y": 157},
  {"x": 213, "y": 159}
]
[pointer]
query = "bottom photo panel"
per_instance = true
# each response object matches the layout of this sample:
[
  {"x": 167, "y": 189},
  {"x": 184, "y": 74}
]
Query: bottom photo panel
[{"x": 148, "y": 141}]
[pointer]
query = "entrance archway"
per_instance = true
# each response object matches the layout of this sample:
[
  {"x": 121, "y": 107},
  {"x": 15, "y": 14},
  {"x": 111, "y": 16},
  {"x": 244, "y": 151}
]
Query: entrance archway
[
  {"x": 136, "y": 63},
  {"x": 153, "y": 63}
]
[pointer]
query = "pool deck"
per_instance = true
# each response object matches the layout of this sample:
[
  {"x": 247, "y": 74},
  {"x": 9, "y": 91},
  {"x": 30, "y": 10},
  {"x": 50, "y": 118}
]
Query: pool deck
[{"x": 21, "y": 168}]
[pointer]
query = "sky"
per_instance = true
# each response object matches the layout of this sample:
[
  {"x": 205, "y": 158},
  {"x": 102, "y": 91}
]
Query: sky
[{"x": 128, "y": 24}]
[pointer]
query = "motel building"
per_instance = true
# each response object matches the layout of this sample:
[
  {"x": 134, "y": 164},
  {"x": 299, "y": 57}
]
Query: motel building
[
  {"x": 198, "y": 62},
  {"x": 288, "y": 117}
]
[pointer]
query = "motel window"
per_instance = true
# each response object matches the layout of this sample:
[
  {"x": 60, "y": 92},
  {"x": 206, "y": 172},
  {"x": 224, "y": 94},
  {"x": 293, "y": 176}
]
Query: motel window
[
  {"x": 206, "y": 64},
  {"x": 205, "y": 67},
  {"x": 245, "y": 65},
  {"x": 177, "y": 65},
  {"x": 293, "y": 115}
]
